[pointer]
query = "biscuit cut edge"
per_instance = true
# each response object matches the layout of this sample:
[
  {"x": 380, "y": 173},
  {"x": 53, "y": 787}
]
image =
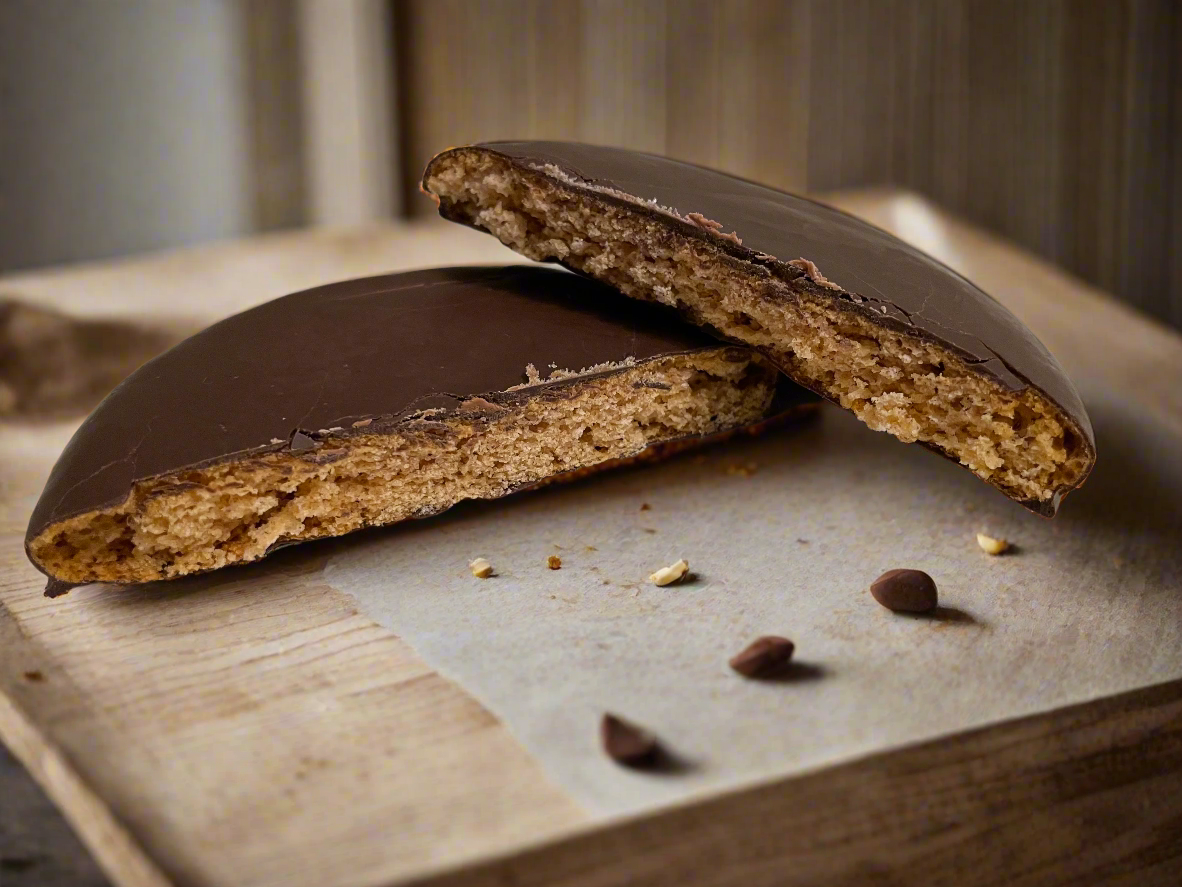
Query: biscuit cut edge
[{"x": 904, "y": 384}]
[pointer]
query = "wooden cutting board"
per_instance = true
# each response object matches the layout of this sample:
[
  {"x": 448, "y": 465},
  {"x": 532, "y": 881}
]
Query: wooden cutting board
[{"x": 255, "y": 728}]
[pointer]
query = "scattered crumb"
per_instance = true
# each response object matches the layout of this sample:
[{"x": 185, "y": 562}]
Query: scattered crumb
[
  {"x": 742, "y": 470},
  {"x": 35, "y": 676},
  {"x": 607, "y": 582},
  {"x": 590, "y": 548},
  {"x": 990, "y": 545},
  {"x": 649, "y": 530},
  {"x": 803, "y": 541},
  {"x": 481, "y": 568},
  {"x": 668, "y": 575},
  {"x": 362, "y": 423},
  {"x": 646, "y": 507},
  {"x": 559, "y": 547},
  {"x": 554, "y": 562}
]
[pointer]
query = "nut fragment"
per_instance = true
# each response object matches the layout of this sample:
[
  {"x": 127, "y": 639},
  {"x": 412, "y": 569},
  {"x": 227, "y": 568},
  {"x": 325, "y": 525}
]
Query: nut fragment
[
  {"x": 481, "y": 568},
  {"x": 742, "y": 470},
  {"x": 668, "y": 575},
  {"x": 907, "y": 591},
  {"x": 763, "y": 657},
  {"x": 554, "y": 562},
  {"x": 990, "y": 545},
  {"x": 627, "y": 743}
]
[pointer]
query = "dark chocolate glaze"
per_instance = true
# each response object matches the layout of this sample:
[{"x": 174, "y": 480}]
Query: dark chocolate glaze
[
  {"x": 298, "y": 371},
  {"x": 57, "y": 588},
  {"x": 883, "y": 278}
]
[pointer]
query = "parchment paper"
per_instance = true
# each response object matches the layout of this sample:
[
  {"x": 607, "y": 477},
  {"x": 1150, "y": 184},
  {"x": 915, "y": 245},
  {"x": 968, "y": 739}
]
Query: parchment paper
[{"x": 1090, "y": 604}]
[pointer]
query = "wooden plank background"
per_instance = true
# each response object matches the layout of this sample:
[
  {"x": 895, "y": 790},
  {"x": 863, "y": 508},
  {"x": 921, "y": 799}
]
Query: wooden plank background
[{"x": 1057, "y": 123}]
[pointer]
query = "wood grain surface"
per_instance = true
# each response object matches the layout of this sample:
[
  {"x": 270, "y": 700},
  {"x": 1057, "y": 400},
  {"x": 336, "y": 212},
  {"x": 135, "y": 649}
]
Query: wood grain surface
[
  {"x": 1090, "y": 794},
  {"x": 1055, "y": 123},
  {"x": 252, "y": 727}
]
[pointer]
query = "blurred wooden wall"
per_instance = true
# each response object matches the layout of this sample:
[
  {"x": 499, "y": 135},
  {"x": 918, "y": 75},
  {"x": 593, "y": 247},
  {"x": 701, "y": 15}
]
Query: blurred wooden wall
[{"x": 1057, "y": 123}]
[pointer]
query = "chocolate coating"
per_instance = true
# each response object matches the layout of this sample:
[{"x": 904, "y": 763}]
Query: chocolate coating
[
  {"x": 350, "y": 358},
  {"x": 885, "y": 279}
]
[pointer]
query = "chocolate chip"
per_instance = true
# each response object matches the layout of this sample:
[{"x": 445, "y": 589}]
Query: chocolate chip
[
  {"x": 628, "y": 744},
  {"x": 907, "y": 591},
  {"x": 763, "y": 657}
]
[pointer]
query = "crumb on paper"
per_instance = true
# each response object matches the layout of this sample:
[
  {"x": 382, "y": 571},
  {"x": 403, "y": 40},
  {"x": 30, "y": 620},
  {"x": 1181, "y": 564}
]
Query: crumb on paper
[
  {"x": 362, "y": 423},
  {"x": 649, "y": 529},
  {"x": 745, "y": 470},
  {"x": 481, "y": 568},
  {"x": 36, "y": 676},
  {"x": 803, "y": 541},
  {"x": 554, "y": 562},
  {"x": 673, "y": 573},
  {"x": 991, "y": 545},
  {"x": 590, "y": 548},
  {"x": 646, "y": 507}
]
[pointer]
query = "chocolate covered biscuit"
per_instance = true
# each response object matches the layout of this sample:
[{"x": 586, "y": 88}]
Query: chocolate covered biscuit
[
  {"x": 372, "y": 401},
  {"x": 845, "y": 309}
]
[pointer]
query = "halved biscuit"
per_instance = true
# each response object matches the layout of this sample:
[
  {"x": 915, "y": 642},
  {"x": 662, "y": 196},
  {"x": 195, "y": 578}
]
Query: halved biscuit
[
  {"x": 845, "y": 309},
  {"x": 372, "y": 401}
]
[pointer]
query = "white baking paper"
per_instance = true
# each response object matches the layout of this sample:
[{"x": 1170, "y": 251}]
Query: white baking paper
[{"x": 784, "y": 535}]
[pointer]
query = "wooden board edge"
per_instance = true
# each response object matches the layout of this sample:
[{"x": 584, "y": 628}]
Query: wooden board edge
[
  {"x": 1090, "y": 793},
  {"x": 116, "y": 852}
]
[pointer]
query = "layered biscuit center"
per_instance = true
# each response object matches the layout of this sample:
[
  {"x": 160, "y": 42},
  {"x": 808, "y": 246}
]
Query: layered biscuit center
[
  {"x": 902, "y": 384},
  {"x": 235, "y": 510}
]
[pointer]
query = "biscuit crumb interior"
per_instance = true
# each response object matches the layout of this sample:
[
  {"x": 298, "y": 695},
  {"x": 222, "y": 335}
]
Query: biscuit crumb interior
[
  {"x": 901, "y": 384},
  {"x": 232, "y": 512}
]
